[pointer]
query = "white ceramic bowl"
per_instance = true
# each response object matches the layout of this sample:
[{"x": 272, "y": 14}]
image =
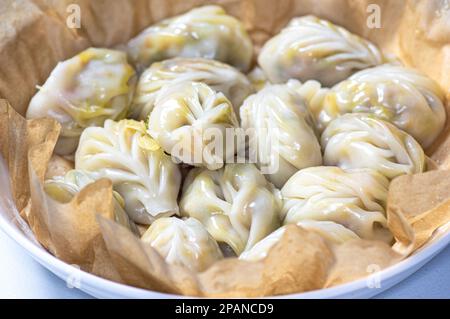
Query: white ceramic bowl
[{"x": 13, "y": 225}]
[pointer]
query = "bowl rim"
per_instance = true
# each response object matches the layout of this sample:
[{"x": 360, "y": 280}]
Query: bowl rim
[{"x": 92, "y": 281}]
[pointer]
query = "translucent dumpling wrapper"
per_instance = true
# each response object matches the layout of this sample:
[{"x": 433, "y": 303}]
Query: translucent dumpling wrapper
[
  {"x": 219, "y": 76},
  {"x": 257, "y": 78},
  {"x": 402, "y": 96},
  {"x": 190, "y": 121},
  {"x": 281, "y": 130},
  {"x": 314, "y": 94},
  {"x": 83, "y": 91},
  {"x": 236, "y": 204},
  {"x": 361, "y": 140},
  {"x": 205, "y": 32},
  {"x": 312, "y": 48},
  {"x": 183, "y": 242},
  {"x": 260, "y": 250},
  {"x": 353, "y": 198},
  {"x": 64, "y": 188},
  {"x": 146, "y": 177}
]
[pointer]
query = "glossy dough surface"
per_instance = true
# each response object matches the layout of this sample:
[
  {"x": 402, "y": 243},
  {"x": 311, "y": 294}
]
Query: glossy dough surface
[
  {"x": 146, "y": 177},
  {"x": 282, "y": 131},
  {"x": 312, "y": 48},
  {"x": 189, "y": 120},
  {"x": 261, "y": 249},
  {"x": 183, "y": 242},
  {"x": 205, "y": 32},
  {"x": 353, "y": 198},
  {"x": 236, "y": 204},
  {"x": 363, "y": 141},
  {"x": 219, "y": 76},
  {"x": 94, "y": 85},
  {"x": 402, "y": 96}
]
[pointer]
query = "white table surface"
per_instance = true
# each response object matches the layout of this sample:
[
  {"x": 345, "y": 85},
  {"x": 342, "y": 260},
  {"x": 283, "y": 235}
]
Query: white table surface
[{"x": 22, "y": 277}]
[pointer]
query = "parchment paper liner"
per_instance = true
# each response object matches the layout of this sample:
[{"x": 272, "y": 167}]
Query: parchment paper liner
[{"x": 34, "y": 37}]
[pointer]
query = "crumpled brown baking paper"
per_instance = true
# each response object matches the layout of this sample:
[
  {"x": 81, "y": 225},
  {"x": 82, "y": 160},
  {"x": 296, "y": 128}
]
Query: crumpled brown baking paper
[
  {"x": 34, "y": 37},
  {"x": 69, "y": 231}
]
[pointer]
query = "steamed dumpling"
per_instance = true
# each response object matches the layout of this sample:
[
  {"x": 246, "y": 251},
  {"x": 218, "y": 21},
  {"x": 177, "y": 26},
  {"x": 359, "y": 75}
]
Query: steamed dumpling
[
  {"x": 190, "y": 121},
  {"x": 312, "y": 48},
  {"x": 402, "y": 96},
  {"x": 95, "y": 85},
  {"x": 205, "y": 32},
  {"x": 281, "y": 131},
  {"x": 236, "y": 204},
  {"x": 313, "y": 93},
  {"x": 362, "y": 141},
  {"x": 64, "y": 188},
  {"x": 219, "y": 76},
  {"x": 146, "y": 177},
  {"x": 183, "y": 242},
  {"x": 353, "y": 198},
  {"x": 335, "y": 233}
]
